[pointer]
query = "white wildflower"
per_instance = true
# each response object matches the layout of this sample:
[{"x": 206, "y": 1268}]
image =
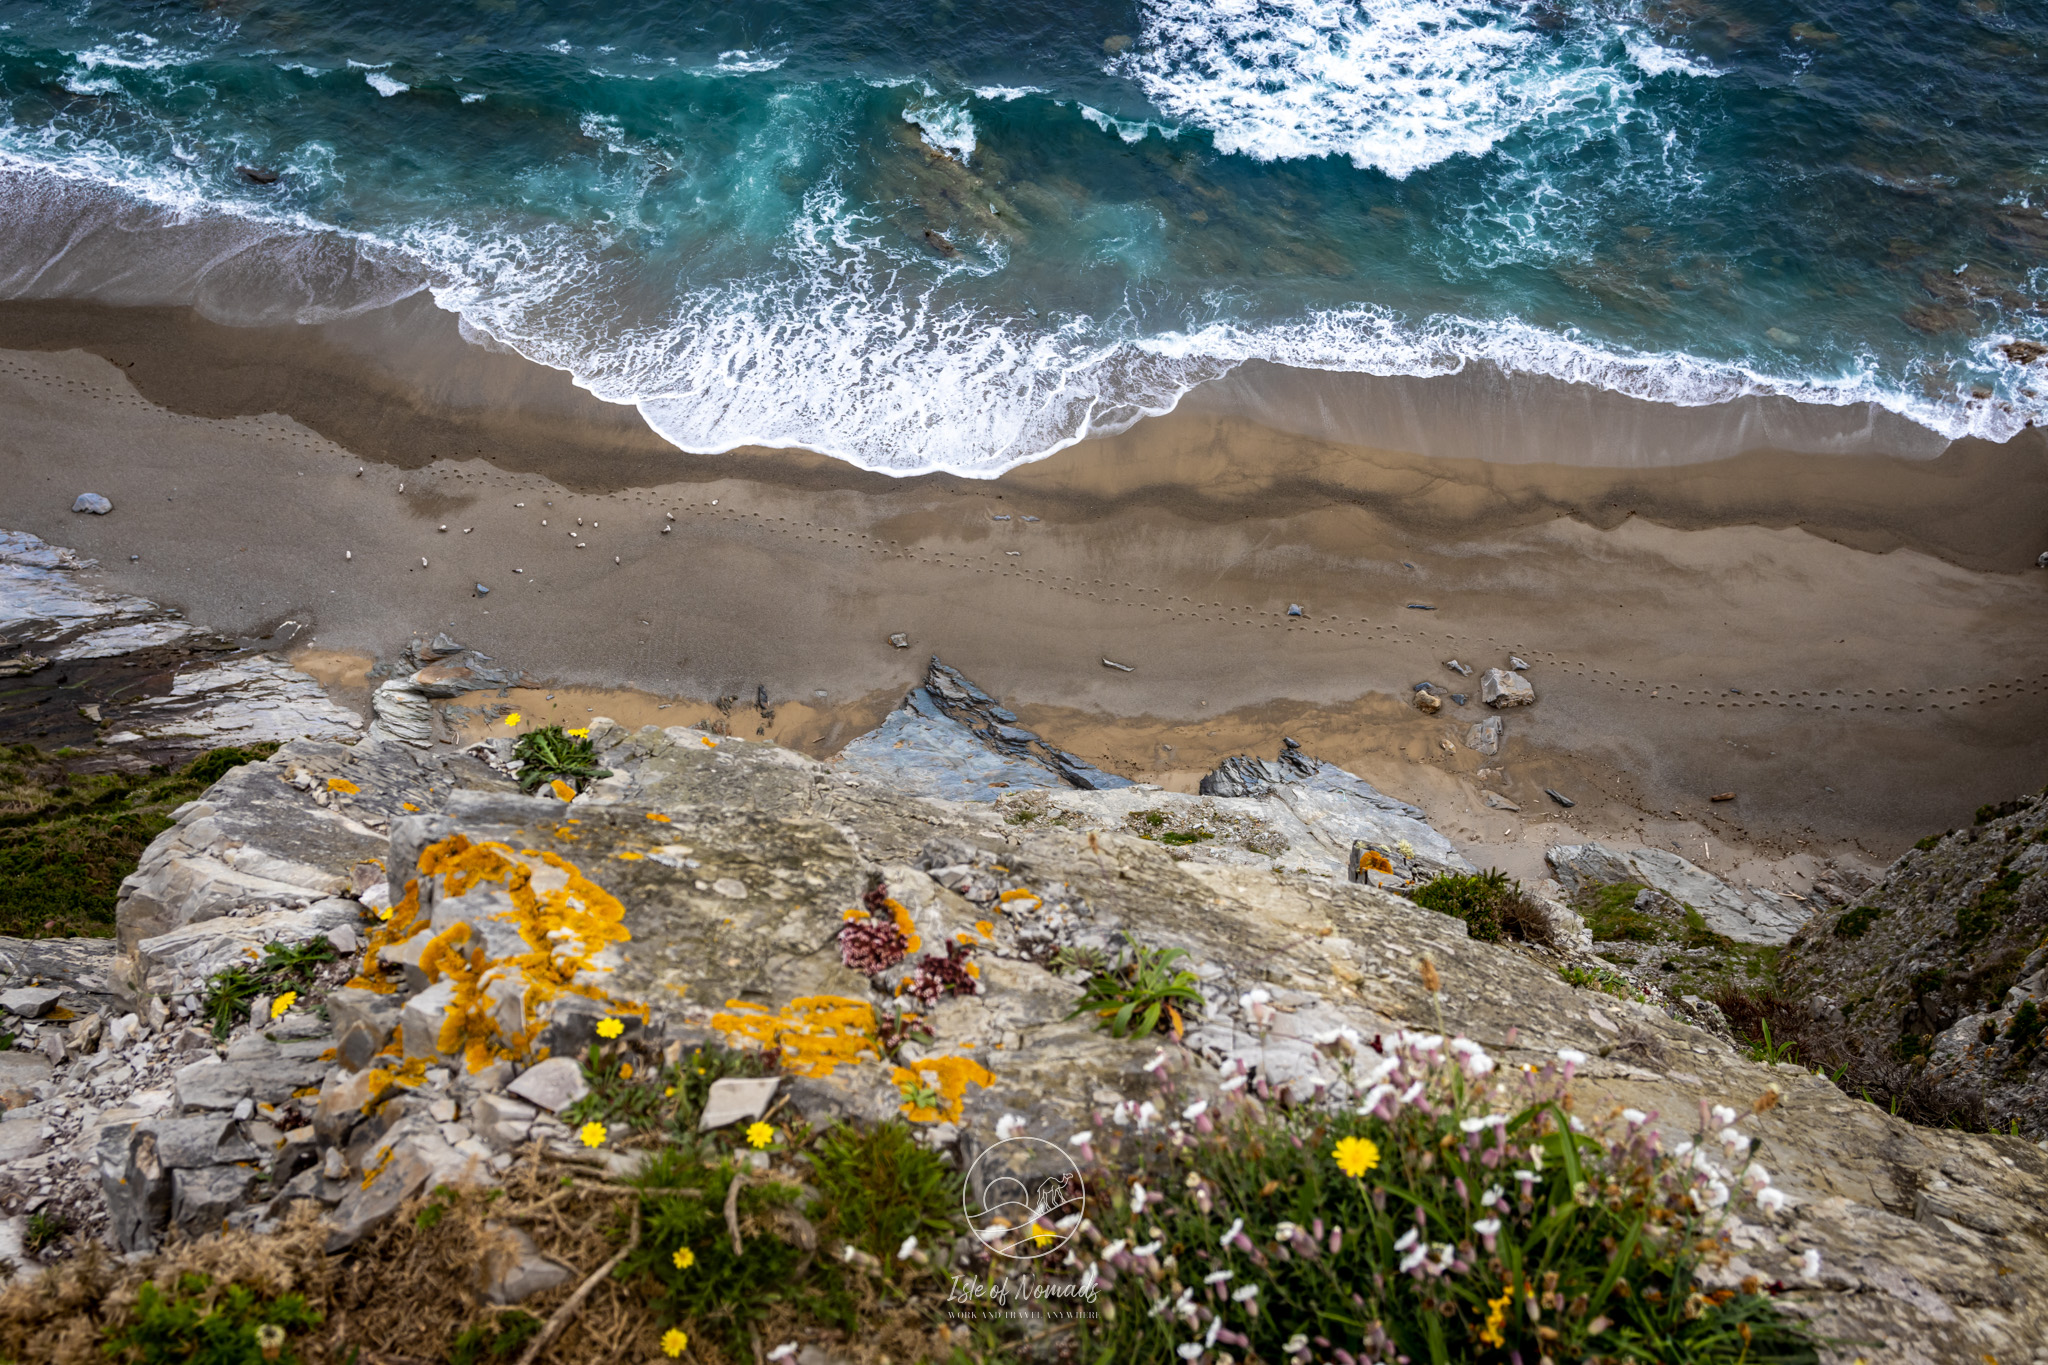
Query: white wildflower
[
  {"x": 1231, "y": 1083},
  {"x": 1487, "y": 1227},
  {"x": 1009, "y": 1125},
  {"x": 1571, "y": 1056},
  {"x": 1634, "y": 1118},
  {"x": 908, "y": 1249},
  {"x": 1218, "y": 1276},
  {"x": 1195, "y": 1110},
  {"x": 1491, "y": 1197},
  {"x": 1770, "y": 1199},
  {"x": 1081, "y": 1139},
  {"x": 1244, "y": 1293},
  {"x": 1406, "y": 1240},
  {"x": 1236, "y": 1226},
  {"x": 1723, "y": 1115},
  {"x": 1809, "y": 1265},
  {"x": 1190, "y": 1350}
]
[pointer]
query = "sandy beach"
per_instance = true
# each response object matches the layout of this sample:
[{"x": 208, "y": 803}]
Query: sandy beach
[{"x": 1848, "y": 642}]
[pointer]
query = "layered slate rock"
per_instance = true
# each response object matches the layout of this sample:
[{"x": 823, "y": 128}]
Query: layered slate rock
[
  {"x": 1747, "y": 916},
  {"x": 952, "y": 740},
  {"x": 1942, "y": 957}
]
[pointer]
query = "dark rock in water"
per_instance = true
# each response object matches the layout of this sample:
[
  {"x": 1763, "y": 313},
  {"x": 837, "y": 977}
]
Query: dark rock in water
[
  {"x": 258, "y": 175},
  {"x": 953, "y": 740}
]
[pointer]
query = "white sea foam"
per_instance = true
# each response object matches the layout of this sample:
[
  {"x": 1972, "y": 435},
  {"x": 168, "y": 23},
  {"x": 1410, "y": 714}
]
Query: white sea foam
[
  {"x": 385, "y": 85},
  {"x": 741, "y": 62},
  {"x": 1130, "y": 130},
  {"x": 943, "y": 124},
  {"x": 474, "y": 97},
  {"x": 1006, "y": 93},
  {"x": 1395, "y": 85},
  {"x": 1654, "y": 60}
]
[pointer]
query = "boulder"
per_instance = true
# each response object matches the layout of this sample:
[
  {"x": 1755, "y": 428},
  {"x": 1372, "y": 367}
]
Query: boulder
[
  {"x": 735, "y": 1098},
  {"x": 554, "y": 1084},
  {"x": 1500, "y": 688},
  {"x": 408, "y": 1158},
  {"x": 202, "y": 1199},
  {"x": 136, "y": 1185},
  {"x": 512, "y": 1269},
  {"x": 1485, "y": 737},
  {"x": 184, "y": 959},
  {"x": 20, "y": 1139},
  {"x": 263, "y": 1077},
  {"x": 29, "y": 1002}
]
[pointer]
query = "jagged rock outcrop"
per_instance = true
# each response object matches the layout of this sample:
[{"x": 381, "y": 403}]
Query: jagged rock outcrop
[
  {"x": 951, "y": 739},
  {"x": 1947, "y": 958},
  {"x": 733, "y": 867}
]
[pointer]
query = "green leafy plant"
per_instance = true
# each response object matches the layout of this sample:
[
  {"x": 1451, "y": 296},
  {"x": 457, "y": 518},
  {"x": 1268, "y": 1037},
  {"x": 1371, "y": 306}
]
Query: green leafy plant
[
  {"x": 552, "y": 752},
  {"x": 283, "y": 967},
  {"x": 1141, "y": 994},
  {"x": 201, "y": 1322},
  {"x": 1987, "y": 911},
  {"x": 1087, "y": 961},
  {"x": 879, "y": 1187},
  {"x": 1492, "y": 906},
  {"x": 1610, "y": 912},
  {"x": 1855, "y": 923},
  {"x": 44, "y": 1231},
  {"x": 1926, "y": 844},
  {"x": 1457, "y": 1218},
  {"x": 691, "y": 1274},
  {"x": 2026, "y": 1031},
  {"x": 1770, "y": 1051}
]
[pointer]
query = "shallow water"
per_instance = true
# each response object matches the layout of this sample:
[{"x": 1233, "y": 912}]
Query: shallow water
[{"x": 959, "y": 236}]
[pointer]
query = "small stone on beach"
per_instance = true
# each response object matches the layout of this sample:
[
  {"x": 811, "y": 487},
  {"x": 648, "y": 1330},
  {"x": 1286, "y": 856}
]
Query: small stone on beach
[
  {"x": 93, "y": 503},
  {"x": 900, "y": 640},
  {"x": 1294, "y": 609},
  {"x": 1121, "y": 668},
  {"x": 1519, "y": 665},
  {"x": 482, "y": 591},
  {"x": 1560, "y": 798}
]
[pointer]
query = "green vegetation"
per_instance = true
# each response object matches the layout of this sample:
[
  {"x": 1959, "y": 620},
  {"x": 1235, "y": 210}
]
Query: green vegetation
[
  {"x": 1141, "y": 993},
  {"x": 1610, "y": 912},
  {"x": 1855, "y": 923},
  {"x": 500, "y": 1339},
  {"x": 881, "y": 1187},
  {"x": 1475, "y": 899},
  {"x": 639, "y": 1092},
  {"x": 200, "y": 1323},
  {"x": 1924, "y": 845},
  {"x": 44, "y": 1231},
  {"x": 283, "y": 967},
  {"x": 1982, "y": 916},
  {"x": 550, "y": 753},
  {"x": 1698, "y": 935},
  {"x": 68, "y": 838},
  {"x": 1999, "y": 810},
  {"x": 2026, "y": 1031},
  {"x": 1599, "y": 979},
  {"x": 1281, "y": 1226}
]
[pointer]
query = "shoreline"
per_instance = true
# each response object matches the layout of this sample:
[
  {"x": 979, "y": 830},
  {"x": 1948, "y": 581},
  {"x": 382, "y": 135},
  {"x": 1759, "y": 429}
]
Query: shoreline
[
  {"x": 399, "y": 385},
  {"x": 1882, "y": 671}
]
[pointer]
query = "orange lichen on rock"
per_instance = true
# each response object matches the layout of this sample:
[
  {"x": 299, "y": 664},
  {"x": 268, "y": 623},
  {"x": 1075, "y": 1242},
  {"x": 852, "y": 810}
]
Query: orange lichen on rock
[
  {"x": 905, "y": 926},
  {"x": 814, "y": 1034},
  {"x": 564, "y": 930},
  {"x": 948, "y": 1077},
  {"x": 342, "y": 785}
]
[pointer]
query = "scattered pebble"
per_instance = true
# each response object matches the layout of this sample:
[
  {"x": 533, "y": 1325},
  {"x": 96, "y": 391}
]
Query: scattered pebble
[
  {"x": 93, "y": 503},
  {"x": 1560, "y": 798},
  {"x": 1121, "y": 668}
]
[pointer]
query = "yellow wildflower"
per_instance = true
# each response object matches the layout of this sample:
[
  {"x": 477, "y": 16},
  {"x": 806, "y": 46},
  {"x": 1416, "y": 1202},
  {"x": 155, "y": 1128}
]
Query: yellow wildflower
[
  {"x": 512, "y": 719},
  {"x": 674, "y": 1342},
  {"x": 1356, "y": 1155},
  {"x": 760, "y": 1134},
  {"x": 283, "y": 1003},
  {"x": 626, "y": 1071},
  {"x": 669, "y": 1092},
  {"x": 684, "y": 1258},
  {"x": 584, "y": 733},
  {"x": 610, "y": 1028},
  {"x": 1496, "y": 1319},
  {"x": 592, "y": 1135}
]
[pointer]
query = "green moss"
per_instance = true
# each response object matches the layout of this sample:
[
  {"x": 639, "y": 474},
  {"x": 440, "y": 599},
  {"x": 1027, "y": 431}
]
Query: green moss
[
  {"x": 1610, "y": 913},
  {"x": 67, "y": 839},
  {"x": 1855, "y": 923},
  {"x": 1931, "y": 840},
  {"x": 1182, "y": 837},
  {"x": 878, "y": 1187},
  {"x": 1999, "y": 810},
  {"x": 1599, "y": 979}
]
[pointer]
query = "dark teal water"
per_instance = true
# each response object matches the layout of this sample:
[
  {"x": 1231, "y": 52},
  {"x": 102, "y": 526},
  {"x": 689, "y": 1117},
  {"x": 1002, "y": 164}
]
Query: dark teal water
[{"x": 960, "y": 235}]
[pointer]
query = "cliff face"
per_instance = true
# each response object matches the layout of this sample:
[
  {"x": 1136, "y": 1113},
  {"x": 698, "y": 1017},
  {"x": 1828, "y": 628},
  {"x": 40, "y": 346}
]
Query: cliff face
[
  {"x": 1947, "y": 959},
  {"x": 728, "y": 870}
]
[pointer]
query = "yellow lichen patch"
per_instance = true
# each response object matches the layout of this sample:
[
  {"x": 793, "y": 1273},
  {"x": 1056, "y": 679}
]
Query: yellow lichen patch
[
  {"x": 905, "y": 926},
  {"x": 409, "y": 806},
  {"x": 400, "y": 922},
  {"x": 815, "y": 1034},
  {"x": 564, "y": 930},
  {"x": 659, "y": 818},
  {"x": 562, "y": 790},
  {"x": 343, "y": 785},
  {"x": 564, "y": 833},
  {"x": 949, "y": 1077},
  {"x": 1374, "y": 860},
  {"x": 627, "y": 855},
  {"x": 381, "y": 1079},
  {"x": 984, "y": 928},
  {"x": 854, "y": 915},
  {"x": 1019, "y": 894}
]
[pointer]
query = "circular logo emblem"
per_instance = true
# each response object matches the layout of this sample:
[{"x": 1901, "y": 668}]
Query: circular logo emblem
[{"x": 1019, "y": 1216}]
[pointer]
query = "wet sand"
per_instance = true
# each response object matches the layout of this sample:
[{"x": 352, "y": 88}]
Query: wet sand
[{"x": 1850, "y": 643}]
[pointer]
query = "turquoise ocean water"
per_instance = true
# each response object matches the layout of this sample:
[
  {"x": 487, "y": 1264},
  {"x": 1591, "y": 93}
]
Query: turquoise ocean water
[{"x": 961, "y": 235}]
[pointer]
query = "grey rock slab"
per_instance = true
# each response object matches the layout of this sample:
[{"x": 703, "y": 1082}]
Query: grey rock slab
[
  {"x": 409, "y": 1157},
  {"x": 247, "y": 700},
  {"x": 734, "y": 1098},
  {"x": 1746, "y": 917},
  {"x": 554, "y": 1084},
  {"x": 20, "y": 1139},
  {"x": 115, "y": 641},
  {"x": 1501, "y": 688},
  {"x": 82, "y": 968},
  {"x": 208, "y": 1140},
  {"x": 213, "y": 1083},
  {"x": 21, "y": 1075},
  {"x": 512, "y": 1268},
  {"x": 136, "y": 1186},
  {"x": 29, "y": 1002},
  {"x": 48, "y": 593},
  {"x": 402, "y": 713},
  {"x": 184, "y": 959},
  {"x": 202, "y": 1199},
  {"x": 421, "y": 1019}
]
